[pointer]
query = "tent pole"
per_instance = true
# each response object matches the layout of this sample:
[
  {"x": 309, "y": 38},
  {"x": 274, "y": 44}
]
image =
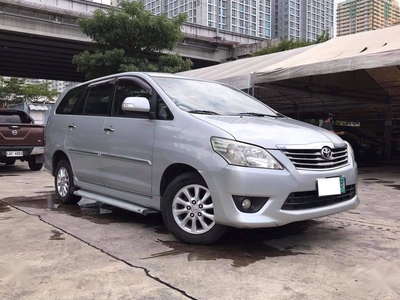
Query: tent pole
[
  {"x": 250, "y": 85},
  {"x": 388, "y": 130},
  {"x": 296, "y": 110}
]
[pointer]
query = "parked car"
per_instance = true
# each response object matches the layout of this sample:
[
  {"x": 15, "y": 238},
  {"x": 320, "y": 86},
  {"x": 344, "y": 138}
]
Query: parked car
[
  {"x": 366, "y": 145},
  {"x": 20, "y": 139},
  {"x": 206, "y": 155}
]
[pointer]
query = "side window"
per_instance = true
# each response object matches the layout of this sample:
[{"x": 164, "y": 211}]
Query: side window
[
  {"x": 69, "y": 101},
  {"x": 129, "y": 88},
  {"x": 97, "y": 100},
  {"x": 163, "y": 111}
]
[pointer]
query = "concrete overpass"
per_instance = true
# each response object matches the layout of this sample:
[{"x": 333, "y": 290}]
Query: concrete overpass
[{"x": 39, "y": 40}]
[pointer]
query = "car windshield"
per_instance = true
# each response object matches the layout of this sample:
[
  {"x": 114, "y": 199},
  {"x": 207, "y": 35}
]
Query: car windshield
[{"x": 212, "y": 98}]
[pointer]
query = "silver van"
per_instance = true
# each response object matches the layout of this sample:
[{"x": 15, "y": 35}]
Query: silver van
[{"x": 206, "y": 155}]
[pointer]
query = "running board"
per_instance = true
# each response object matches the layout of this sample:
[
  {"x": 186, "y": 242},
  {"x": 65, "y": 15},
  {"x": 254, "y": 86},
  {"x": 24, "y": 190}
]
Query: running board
[{"x": 117, "y": 203}]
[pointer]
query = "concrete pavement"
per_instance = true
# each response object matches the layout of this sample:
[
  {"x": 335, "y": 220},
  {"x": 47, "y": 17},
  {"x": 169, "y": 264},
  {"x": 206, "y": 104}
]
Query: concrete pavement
[{"x": 51, "y": 251}]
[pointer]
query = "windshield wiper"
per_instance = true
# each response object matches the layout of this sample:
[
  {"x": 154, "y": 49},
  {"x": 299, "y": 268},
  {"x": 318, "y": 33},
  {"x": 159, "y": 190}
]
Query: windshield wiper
[
  {"x": 256, "y": 114},
  {"x": 204, "y": 112}
]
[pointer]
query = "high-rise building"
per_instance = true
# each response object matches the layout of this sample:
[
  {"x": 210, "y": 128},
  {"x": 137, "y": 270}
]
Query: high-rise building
[
  {"x": 364, "y": 15},
  {"x": 291, "y": 19},
  {"x": 302, "y": 20},
  {"x": 250, "y": 17}
]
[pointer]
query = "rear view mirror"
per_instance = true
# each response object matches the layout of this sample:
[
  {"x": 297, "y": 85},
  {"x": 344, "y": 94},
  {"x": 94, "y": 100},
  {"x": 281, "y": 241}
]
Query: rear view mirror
[{"x": 136, "y": 104}]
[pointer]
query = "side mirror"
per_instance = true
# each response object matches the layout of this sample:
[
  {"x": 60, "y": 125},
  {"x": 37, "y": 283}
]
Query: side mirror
[{"x": 136, "y": 104}]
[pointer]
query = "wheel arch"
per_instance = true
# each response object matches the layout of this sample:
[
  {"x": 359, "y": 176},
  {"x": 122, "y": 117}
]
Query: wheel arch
[
  {"x": 172, "y": 172},
  {"x": 57, "y": 157}
]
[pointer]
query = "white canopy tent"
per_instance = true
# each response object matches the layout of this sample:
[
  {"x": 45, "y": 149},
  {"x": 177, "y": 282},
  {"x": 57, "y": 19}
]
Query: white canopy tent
[
  {"x": 357, "y": 77},
  {"x": 354, "y": 70},
  {"x": 366, "y": 50},
  {"x": 238, "y": 73}
]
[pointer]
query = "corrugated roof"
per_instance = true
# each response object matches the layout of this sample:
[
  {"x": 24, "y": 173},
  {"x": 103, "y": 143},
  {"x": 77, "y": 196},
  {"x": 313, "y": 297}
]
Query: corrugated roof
[{"x": 38, "y": 107}]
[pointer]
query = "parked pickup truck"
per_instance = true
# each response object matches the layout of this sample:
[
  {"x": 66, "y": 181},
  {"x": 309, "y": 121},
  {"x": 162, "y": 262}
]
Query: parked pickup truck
[{"x": 20, "y": 139}]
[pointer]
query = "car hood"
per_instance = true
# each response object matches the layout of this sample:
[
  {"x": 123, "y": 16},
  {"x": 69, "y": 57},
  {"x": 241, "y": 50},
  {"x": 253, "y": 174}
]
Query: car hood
[{"x": 270, "y": 132}]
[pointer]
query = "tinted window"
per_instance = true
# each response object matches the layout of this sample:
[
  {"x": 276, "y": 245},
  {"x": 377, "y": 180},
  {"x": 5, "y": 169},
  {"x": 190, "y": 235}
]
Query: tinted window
[
  {"x": 6, "y": 119},
  {"x": 163, "y": 111},
  {"x": 69, "y": 101},
  {"x": 129, "y": 88},
  {"x": 97, "y": 100}
]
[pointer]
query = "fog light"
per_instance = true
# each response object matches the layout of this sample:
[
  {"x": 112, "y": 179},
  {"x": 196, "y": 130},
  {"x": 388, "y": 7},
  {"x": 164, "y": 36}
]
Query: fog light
[{"x": 246, "y": 204}]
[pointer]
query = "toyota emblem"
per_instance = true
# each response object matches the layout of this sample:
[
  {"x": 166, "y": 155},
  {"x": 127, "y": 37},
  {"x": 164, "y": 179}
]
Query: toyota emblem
[
  {"x": 14, "y": 132},
  {"x": 326, "y": 153}
]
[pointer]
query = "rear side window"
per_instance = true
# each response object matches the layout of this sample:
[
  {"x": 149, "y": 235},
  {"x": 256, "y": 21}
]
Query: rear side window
[
  {"x": 97, "y": 100},
  {"x": 70, "y": 100}
]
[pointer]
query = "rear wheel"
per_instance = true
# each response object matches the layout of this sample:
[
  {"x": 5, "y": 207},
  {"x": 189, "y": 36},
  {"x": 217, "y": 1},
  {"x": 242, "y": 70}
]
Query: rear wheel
[
  {"x": 188, "y": 211},
  {"x": 33, "y": 165},
  {"x": 63, "y": 182}
]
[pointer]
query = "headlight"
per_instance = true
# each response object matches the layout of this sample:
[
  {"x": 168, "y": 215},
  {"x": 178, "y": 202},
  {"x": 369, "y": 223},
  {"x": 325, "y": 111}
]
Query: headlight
[{"x": 241, "y": 154}]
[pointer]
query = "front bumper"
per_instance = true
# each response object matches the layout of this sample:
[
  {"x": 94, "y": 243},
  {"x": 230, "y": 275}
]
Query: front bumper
[{"x": 276, "y": 185}]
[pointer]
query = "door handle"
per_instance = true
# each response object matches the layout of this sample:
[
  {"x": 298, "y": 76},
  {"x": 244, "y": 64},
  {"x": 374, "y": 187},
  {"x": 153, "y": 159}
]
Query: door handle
[
  {"x": 71, "y": 126},
  {"x": 109, "y": 129}
]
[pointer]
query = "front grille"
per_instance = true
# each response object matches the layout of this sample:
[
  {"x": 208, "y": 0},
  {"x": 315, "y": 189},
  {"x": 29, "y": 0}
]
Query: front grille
[
  {"x": 312, "y": 158},
  {"x": 310, "y": 199}
]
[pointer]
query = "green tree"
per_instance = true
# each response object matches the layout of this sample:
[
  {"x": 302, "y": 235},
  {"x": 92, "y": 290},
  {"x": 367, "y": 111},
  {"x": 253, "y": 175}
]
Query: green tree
[
  {"x": 124, "y": 38},
  {"x": 286, "y": 44},
  {"x": 17, "y": 90}
]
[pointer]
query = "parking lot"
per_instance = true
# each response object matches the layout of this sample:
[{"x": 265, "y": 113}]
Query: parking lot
[{"x": 55, "y": 251}]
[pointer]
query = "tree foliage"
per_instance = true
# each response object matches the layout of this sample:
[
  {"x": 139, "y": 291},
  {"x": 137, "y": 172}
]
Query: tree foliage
[
  {"x": 292, "y": 44},
  {"x": 17, "y": 90},
  {"x": 125, "y": 37}
]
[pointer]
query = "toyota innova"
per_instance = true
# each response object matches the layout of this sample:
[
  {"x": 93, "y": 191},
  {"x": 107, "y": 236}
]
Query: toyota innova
[{"x": 205, "y": 155}]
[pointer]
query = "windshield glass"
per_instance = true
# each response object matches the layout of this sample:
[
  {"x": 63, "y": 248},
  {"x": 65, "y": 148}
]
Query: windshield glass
[{"x": 210, "y": 98}]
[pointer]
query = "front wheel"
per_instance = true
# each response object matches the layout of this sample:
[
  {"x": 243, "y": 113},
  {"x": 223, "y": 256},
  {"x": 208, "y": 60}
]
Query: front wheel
[
  {"x": 188, "y": 211},
  {"x": 63, "y": 182}
]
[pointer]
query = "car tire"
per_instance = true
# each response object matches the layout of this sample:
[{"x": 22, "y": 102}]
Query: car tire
[
  {"x": 188, "y": 211},
  {"x": 64, "y": 183},
  {"x": 33, "y": 165}
]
